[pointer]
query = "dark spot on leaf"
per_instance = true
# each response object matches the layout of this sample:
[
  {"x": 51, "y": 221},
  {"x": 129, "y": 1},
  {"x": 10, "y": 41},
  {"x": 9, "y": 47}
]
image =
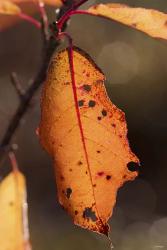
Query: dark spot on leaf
[
  {"x": 76, "y": 212},
  {"x": 68, "y": 192},
  {"x": 89, "y": 214},
  {"x": 70, "y": 169},
  {"x": 108, "y": 177},
  {"x": 88, "y": 74},
  {"x": 122, "y": 117},
  {"x": 86, "y": 172},
  {"x": 94, "y": 185},
  {"x": 62, "y": 178},
  {"x": 113, "y": 125},
  {"x": 100, "y": 173},
  {"x": 99, "y": 118},
  {"x": 134, "y": 25},
  {"x": 91, "y": 103},
  {"x": 87, "y": 87},
  {"x": 80, "y": 103},
  {"x": 80, "y": 163},
  {"x": 11, "y": 203},
  {"x": 104, "y": 112},
  {"x": 98, "y": 151},
  {"x": 67, "y": 83},
  {"x": 133, "y": 166}
]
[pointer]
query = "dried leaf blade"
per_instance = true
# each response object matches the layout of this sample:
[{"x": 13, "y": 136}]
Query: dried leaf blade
[
  {"x": 9, "y": 8},
  {"x": 149, "y": 21},
  {"x": 89, "y": 173}
]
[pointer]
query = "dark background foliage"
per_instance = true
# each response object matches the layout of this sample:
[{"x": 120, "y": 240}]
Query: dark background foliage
[{"x": 136, "y": 70}]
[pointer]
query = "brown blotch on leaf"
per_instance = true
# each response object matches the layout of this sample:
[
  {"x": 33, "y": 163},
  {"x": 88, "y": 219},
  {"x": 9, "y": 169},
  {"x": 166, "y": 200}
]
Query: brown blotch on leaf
[
  {"x": 94, "y": 185},
  {"x": 99, "y": 118},
  {"x": 76, "y": 212},
  {"x": 98, "y": 151},
  {"x": 89, "y": 214},
  {"x": 113, "y": 125}
]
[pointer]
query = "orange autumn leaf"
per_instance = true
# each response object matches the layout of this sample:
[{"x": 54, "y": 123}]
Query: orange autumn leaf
[
  {"x": 87, "y": 140},
  {"x": 149, "y": 21},
  {"x": 13, "y": 228},
  {"x": 9, "y": 8}
]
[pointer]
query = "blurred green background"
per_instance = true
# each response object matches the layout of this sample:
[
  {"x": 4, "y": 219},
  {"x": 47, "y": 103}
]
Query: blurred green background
[{"x": 136, "y": 70}]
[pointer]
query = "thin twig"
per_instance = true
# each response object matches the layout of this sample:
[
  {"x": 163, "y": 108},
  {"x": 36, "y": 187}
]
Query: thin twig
[{"x": 16, "y": 83}]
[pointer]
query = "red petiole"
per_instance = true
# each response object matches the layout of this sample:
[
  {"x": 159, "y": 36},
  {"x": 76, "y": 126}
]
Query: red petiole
[
  {"x": 71, "y": 12},
  {"x": 30, "y": 20}
]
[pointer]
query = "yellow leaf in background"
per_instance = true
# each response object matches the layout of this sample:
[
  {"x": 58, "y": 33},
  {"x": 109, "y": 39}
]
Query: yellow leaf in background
[
  {"x": 87, "y": 139},
  {"x": 9, "y": 8},
  {"x": 152, "y": 22},
  {"x": 28, "y": 7},
  {"x": 13, "y": 228},
  {"x": 49, "y": 2}
]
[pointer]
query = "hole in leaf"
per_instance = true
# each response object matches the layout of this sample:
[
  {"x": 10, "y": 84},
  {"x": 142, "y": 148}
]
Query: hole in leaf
[
  {"x": 68, "y": 192},
  {"x": 87, "y": 87},
  {"x": 89, "y": 214},
  {"x": 91, "y": 103},
  {"x": 133, "y": 166},
  {"x": 80, "y": 103}
]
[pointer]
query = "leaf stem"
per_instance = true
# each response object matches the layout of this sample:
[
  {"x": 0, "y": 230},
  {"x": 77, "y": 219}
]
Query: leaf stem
[
  {"x": 31, "y": 20},
  {"x": 69, "y": 13},
  {"x": 13, "y": 161}
]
